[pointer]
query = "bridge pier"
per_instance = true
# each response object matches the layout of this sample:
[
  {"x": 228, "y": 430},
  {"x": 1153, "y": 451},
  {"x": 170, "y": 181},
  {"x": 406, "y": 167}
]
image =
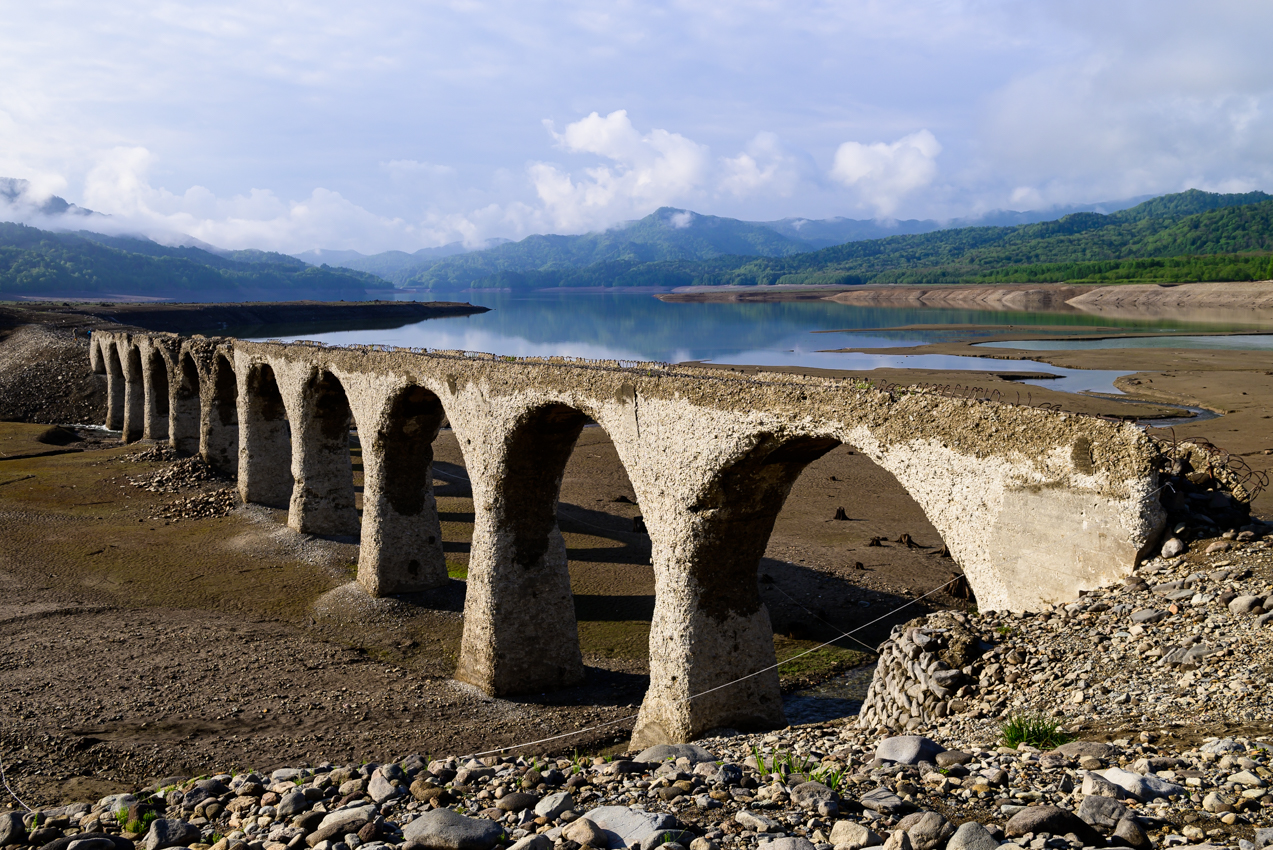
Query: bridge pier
[
  {"x": 114, "y": 386},
  {"x": 185, "y": 406},
  {"x": 401, "y": 549},
  {"x": 520, "y": 633},
  {"x": 134, "y": 425},
  {"x": 710, "y": 627},
  {"x": 265, "y": 438},
  {"x": 219, "y": 418},
  {"x": 157, "y": 386},
  {"x": 322, "y": 500}
]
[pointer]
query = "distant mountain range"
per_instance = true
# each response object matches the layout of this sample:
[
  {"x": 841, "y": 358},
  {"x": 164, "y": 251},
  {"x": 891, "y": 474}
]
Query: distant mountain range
[
  {"x": 666, "y": 234},
  {"x": 1189, "y": 236},
  {"x": 1192, "y": 235}
]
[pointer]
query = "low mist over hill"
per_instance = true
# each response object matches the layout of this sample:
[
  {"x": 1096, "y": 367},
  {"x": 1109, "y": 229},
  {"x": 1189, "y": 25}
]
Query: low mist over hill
[{"x": 37, "y": 262}]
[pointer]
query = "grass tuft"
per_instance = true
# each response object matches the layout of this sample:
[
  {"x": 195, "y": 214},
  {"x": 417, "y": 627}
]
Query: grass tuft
[{"x": 1034, "y": 730}]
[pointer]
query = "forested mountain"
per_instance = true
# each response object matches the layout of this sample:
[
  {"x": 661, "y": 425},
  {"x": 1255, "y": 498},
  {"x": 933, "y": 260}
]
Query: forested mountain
[
  {"x": 666, "y": 234},
  {"x": 394, "y": 266},
  {"x": 39, "y": 262},
  {"x": 1205, "y": 236}
]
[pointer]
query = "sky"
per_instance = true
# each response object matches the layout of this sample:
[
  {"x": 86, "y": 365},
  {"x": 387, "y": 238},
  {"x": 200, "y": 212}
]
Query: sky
[{"x": 405, "y": 124}]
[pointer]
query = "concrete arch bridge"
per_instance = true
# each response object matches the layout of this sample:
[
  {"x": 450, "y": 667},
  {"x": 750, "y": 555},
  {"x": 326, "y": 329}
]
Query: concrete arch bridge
[{"x": 1035, "y": 505}]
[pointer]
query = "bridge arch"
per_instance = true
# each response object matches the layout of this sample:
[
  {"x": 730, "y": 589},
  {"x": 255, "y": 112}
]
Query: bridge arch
[
  {"x": 710, "y": 624},
  {"x": 401, "y": 547},
  {"x": 158, "y": 385},
  {"x": 265, "y": 439},
  {"x": 134, "y": 426},
  {"x": 185, "y": 405},
  {"x": 323, "y": 499},
  {"x": 219, "y": 431},
  {"x": 520, "y": 632},
  {"x": 114, "y": 369}
]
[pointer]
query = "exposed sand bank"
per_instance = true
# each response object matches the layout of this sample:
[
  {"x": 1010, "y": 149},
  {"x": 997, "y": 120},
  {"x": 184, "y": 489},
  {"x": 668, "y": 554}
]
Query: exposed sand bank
[{"x": 1114, "y": 300}]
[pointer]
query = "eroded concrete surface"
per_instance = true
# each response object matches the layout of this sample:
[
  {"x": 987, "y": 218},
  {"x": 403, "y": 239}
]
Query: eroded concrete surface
[{"x": 1034, "y": 505}]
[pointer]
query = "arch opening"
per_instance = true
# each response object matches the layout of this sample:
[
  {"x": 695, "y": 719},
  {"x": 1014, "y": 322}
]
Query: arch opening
[
  {"x": 185, "y": 407},
  {"x": 157, "y": 407},
  {"x": 220, "y": 425},
  {"x": 265, "y": 449},
  {"x": 134, "y": 397},
  {"x": 323, "y": 500},
  {"x": 402, "y": 549},
  {"x": 543, "y": 561},
  {"x": 114, "y": 388}
]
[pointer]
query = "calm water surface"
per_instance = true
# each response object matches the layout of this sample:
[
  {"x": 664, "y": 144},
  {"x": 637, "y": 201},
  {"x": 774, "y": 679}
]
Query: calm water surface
[{"x": 632, "y": 326}]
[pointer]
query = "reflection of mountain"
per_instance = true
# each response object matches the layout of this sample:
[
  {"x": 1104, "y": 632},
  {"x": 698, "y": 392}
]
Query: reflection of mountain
[{"x": 643, "y": 327}]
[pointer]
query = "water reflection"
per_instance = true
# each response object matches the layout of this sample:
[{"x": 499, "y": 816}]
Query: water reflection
[{"x": 628, "y": 326}]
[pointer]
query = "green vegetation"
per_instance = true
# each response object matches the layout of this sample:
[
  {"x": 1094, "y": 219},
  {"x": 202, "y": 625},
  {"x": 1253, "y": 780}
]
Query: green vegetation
[
  {"x": 455, "y": 569},
  {"x": 1186, "y": 237},
  {"x": 666, "y": 234},
  {"x": 786, "y": 763},
  {"x": 39, "y": 262},
  {"x": 1034, "y": 730}
]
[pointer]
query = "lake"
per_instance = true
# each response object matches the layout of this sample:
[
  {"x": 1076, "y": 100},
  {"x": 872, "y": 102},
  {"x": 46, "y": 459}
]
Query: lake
[{"x": 638, "y": 326}]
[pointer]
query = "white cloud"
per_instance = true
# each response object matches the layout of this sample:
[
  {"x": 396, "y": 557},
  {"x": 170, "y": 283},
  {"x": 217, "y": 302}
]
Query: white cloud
[
  {"x": 647, "y": 170},
  {"x": 884, "y": 173}
]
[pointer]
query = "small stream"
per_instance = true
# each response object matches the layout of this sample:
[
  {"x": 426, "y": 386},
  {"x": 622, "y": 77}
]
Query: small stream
[{"x": 840, "y": 696}]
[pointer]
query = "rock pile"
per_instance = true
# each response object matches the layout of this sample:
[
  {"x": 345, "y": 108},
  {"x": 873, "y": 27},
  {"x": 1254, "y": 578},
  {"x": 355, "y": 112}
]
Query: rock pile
[
  {"x": 1186, "y": 638},
  {"x": 216, "y": 496},
  {"x": 1206, "y": 492}
]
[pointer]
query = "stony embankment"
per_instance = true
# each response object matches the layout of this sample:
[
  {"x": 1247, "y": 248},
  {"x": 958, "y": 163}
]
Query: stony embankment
[{"x": 1139, "y": 675}]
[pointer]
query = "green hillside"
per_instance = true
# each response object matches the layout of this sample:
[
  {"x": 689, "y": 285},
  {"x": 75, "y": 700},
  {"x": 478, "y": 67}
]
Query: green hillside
[
  {"x": 39, "y": 262},
  {"x": 1205, "y": 236},
  {"x": 666, "y": 234}
]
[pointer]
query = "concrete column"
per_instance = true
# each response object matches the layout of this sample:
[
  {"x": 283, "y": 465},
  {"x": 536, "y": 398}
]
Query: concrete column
[
  {"x": 323, "y": 498},
  {"x": 520, "y": 633},
  {"x": 158, "y": 387},
  {"x": 401, "y": 548},
  {"x": 265, "y": 438},
  {"x": 114, "y": 387},
  {"x": 184, "y": 406},
  {"x": 219, "y": 422},
  {"x": 134, "y": 396},
  {"x": 710, "y": 628}
]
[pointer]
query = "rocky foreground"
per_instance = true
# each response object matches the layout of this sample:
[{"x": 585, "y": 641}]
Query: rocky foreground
[{"x": 1184, "y": 643}]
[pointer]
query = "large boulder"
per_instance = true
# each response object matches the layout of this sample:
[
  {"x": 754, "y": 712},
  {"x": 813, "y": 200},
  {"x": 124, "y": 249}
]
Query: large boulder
[
  {"x": 554, "y": 805},
  {"x": 626, "y": 827},
  {"x": 170, "y": 832},
  {"x": 443, "y": 829},
  {"x": 908, "y": 749},
  {"x": 12, "y": 830},
  {"x": 1102, "y": 811},
  {"x": 1054, "y": 820},
  {"x": 927, "y": 830},
  {"x": 972, "y": 836},
  {"x": 854, "y": 834},
  {"x": 1143, "y": 788}
]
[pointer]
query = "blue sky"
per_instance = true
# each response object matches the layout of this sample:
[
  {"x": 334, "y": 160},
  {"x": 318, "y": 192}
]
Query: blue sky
[{"x": 291, "y": 126}]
